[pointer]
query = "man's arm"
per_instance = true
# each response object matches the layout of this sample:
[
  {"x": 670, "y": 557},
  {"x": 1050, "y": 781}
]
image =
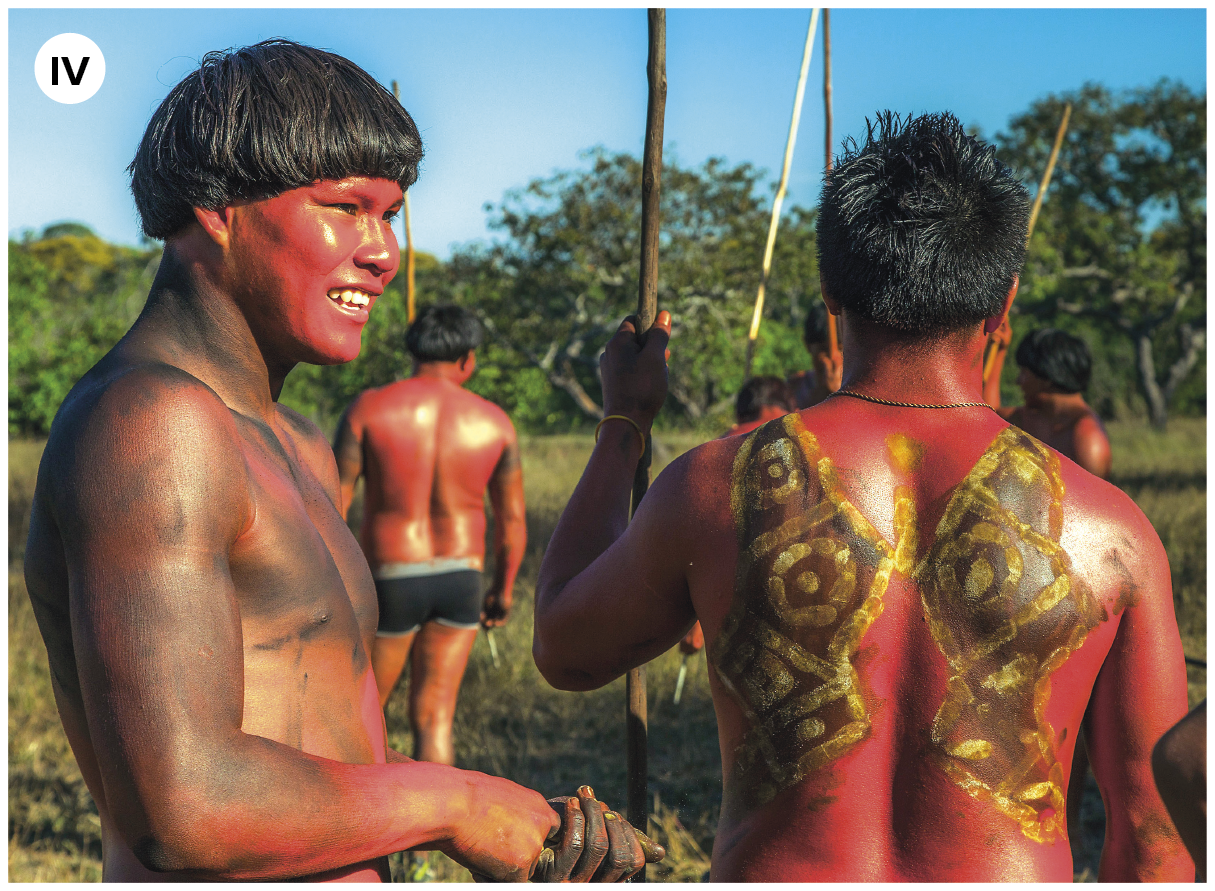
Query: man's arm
[
  {"x": 1139, "y": 694},
  {"x": 1179, "y": 763},
  {"x": 510, "y": 532},
  {"x": 1092, "y": 446},
  {"x": 150, "y": 503},
  {"x": 348, "y": 450},
  {"x": 612, "y": 594},
  {"x": 998, "y": 341}
]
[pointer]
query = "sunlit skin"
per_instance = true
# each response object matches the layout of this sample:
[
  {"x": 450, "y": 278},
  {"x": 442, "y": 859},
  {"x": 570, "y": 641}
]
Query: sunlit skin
[
  {"x": 613, "y": 594},
  {"x": 1064, "y": 421},
  {"x": 208, "y": 616},
  {"x": 430, "y": 450}
]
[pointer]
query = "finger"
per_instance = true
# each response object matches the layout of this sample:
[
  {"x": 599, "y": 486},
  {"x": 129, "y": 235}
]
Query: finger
[
  {"x": 595, "y": 844},
  {"x": 569, "y": 838},
  {"x": 663, "y": 321},
  {"x": 628, "y": 325},
  {"x": 624, "y": 856},
  {"x": 543, "y": 870},
  {"x": 652, "y": 850}
]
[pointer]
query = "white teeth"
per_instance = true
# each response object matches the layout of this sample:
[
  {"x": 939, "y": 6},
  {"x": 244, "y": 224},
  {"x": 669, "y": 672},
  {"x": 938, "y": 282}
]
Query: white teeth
[{"x": 349, "y": 296}]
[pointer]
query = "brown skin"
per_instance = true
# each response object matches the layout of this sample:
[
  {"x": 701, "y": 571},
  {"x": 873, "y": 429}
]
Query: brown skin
[
  {"x": 812, "y": 387},
  {"x": 208, "y": 617},
  {"x": 1064, "y": 421},
  {"x": 430, "y": 450},
  {"x": 615, "y": 593},
  {"x": 1179, "y": 763}
]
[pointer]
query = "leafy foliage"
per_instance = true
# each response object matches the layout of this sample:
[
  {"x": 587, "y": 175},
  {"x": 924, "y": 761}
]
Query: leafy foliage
[{"x": 1119, "y": 252}]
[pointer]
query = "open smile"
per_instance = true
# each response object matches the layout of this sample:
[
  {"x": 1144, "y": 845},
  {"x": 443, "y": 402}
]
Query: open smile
[{"x": 350, "y": 298}]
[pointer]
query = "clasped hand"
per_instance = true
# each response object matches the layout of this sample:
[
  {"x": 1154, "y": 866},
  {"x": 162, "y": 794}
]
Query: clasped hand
[{"x": 634, "y": 375}]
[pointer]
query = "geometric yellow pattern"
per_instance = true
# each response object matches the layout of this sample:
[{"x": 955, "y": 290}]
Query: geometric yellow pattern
[{"x": 997, "y": 594}]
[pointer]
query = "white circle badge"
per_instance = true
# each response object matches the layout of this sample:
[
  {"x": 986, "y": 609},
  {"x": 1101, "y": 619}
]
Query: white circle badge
[{"x": 69, "y": 68}]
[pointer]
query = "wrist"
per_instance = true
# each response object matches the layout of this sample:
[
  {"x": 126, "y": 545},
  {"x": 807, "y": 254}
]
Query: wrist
[{"x": 627, "y": 424}]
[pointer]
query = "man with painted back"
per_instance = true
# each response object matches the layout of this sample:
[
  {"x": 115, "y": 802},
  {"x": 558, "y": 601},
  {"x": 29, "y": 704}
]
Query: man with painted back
[
  {"x": 430, "y": 450},
  {"x": 207, "y": 614},
  {"x": 908, "y": 603}
]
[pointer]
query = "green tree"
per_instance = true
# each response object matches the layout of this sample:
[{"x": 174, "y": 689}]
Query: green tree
[
  {"x": 556, "y": 289},
  {"x": 71, "y": 296},
  {"x": 1119, "y": 250}
]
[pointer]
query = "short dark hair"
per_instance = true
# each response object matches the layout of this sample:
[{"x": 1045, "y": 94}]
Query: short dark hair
[
  {"x": 1057, "y": 357},
  {"x": 255, "y": 122},
  {"x": 443, "y": 333},
  {"x": 815, "y": 328},
  {"x": 922, "y": 228},
  {"x": 760, "y": 392}
]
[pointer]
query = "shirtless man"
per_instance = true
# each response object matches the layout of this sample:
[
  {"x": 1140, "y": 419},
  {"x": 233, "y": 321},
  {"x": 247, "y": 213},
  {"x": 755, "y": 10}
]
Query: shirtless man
[
  {"x": 908, "y": 607},
  {"x": 760, "y": 400},
  {"x": 1054, "y": 369},
  {"x": 430, "y": 449},
  {"x": 813, "y": 386},
  {"x": 208, "y": 617}
]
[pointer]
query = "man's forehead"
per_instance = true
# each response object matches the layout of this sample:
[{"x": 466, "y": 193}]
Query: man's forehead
[{"x": 360, "y": 185}]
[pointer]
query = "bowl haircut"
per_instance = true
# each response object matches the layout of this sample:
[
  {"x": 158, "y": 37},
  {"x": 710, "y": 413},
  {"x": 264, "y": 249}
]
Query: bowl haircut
[
  {"x": 255, "y": 122},
  {"x": 1057, "y": 357},
  {"x": 444, "y": 333},
  {"x": 921, "y": 228}
]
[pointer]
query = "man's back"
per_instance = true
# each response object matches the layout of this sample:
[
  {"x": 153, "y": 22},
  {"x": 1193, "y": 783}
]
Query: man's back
[
  {"x": 904, "y": 629},
  {"x": 430, "y": 448}
]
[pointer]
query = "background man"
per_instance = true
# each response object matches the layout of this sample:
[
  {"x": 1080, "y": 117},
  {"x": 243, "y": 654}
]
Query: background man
[
  {"x": 1055, "y": 368},
  {"x": 813, "y": 386},
  {"x": 909, "y": 604},
  {"x": 208, "y": 617},
  {"x": 429, "y": 450},
  {"x": 761, "y": 400}
]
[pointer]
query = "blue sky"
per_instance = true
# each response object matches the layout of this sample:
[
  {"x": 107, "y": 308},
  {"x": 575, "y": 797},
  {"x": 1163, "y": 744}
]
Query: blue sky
[{"x": 503, "y": 96}]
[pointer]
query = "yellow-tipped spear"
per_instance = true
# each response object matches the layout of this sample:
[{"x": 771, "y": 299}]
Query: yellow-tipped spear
[
  {"x": 411, "y": 309},
  {"x": 990, "y": 360},
  {"x": 780, "y": 193},
  {"x": 833, "y": 338}
]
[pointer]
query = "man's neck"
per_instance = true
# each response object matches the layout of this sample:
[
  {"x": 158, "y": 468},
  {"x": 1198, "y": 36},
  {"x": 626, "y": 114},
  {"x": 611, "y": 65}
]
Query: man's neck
[
  {"x": 1057, "y": 405},
  {"x": 879, "y": 363},
  {"x": 446, "y": 371},
  {"x": 190, "y": 323}
]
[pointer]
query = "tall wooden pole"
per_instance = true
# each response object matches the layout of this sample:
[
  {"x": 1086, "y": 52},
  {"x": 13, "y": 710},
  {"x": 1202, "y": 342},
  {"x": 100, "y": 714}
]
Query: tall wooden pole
[
  {"x": 833, "y": 338},
  {"x": 410, "y": 306},
  {"x": 647, "y": 309},
  {"x": 757, "y": 314},
  {"x": 990, "y": 360}
]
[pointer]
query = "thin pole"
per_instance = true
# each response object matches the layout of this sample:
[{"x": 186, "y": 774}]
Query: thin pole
[
  {"x": 780, "y": 193},
  {"x": 410, "y": 305},
  {"x": 990, "y": 360},
  {"x": 833, "y": 338},
  {"x": 637, "y": 717}
]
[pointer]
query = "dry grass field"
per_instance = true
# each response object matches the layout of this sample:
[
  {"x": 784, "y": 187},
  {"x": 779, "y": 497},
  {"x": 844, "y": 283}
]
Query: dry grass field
[{"x": 509, "y": 721}]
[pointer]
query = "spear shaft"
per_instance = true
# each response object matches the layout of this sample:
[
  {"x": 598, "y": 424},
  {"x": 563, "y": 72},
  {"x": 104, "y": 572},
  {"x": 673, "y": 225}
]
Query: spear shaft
[
  {"x": 990, "y": 361},
  {"x": 833, "y": 338},
  {"x": 637, "y": 725},
  {"x": 758, "y": 312}
]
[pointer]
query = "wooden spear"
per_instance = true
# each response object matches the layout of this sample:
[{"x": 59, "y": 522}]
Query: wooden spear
[
  {"x": 990, "y": 360},
  {"x": 647, "y": 311},
  {"x": 833, "y": 338},
  {"x": 410, "y": 307},
  {"x": 780, "y": 194}
]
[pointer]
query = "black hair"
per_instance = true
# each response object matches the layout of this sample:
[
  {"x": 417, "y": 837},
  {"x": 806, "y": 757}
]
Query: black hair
[
  {"x": 760, "y": 392},
  {"x": 1057, "y": 357},
  {"x": 443, "y": 333},
  {"x": 922, "y": 228},
  {"x": 815, "y": 329},
  {"x": 254, "y": 122}
]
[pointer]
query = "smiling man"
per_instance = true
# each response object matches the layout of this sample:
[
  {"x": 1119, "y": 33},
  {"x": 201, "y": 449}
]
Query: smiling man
[{"x": 207, "y": 614}]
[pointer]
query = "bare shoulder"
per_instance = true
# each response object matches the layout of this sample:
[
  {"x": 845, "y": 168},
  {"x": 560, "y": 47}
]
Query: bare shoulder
[
  {"x": 696, "y": 486},
  {"x": 311, "y": 443},
  {"x": 482, "y": 408},
  {"x": 123, "y": 434}
]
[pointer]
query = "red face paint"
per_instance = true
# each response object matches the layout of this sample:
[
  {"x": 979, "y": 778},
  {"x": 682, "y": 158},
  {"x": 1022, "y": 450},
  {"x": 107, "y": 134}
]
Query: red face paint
[{"x": 294, "y": 257}]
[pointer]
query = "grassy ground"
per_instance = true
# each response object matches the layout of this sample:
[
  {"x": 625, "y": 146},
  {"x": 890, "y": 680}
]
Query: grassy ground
[{"x": 509, "y": 721}]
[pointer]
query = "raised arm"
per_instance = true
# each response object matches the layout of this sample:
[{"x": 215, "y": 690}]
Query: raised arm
[
  {"x": 612, "y": 594},
  {"x": 348, "y": 450},
  {"x": 151, "y": 500},
  {"x": 510, "y": 532},
  {"x": 1139, "y": 694}
]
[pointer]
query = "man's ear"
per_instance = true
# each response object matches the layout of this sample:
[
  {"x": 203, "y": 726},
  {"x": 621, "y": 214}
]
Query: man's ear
[
  {"x": 216, "y": 223},
  {"x": 994, "y": 322},
  {"x": 832, "y": 306}
]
